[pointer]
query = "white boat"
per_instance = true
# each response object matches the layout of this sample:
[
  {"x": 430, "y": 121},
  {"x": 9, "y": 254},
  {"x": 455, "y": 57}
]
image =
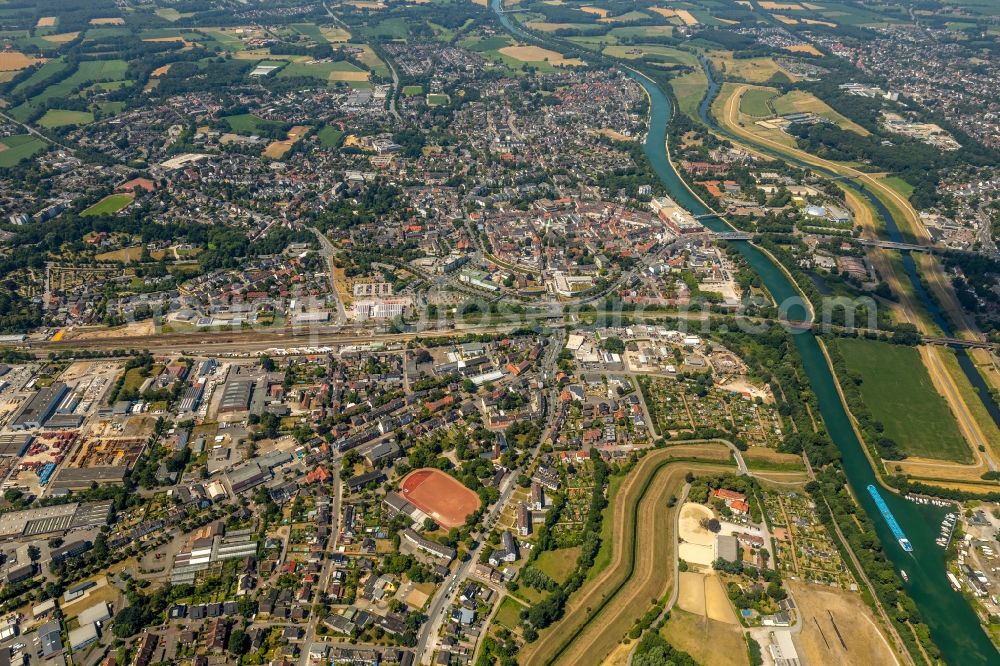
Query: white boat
[{"x": 906, "y": 576}]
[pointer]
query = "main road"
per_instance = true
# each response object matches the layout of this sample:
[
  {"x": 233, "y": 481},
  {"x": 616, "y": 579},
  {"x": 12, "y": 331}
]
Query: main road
[{"x": 445, "y": 596}]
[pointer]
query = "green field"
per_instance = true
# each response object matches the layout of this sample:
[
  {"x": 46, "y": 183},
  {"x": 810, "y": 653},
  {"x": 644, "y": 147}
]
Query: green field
[
  {"x": 487, "y": 44},
  {"x": 436, "y": 99},
  {"x": 330, "y": 136},
  {"x": 247, "y": 123},
  {"x": 558, "y": 564},
  {"x": 413, "y": 91},
  {"x": 18, "y": 147},
  {"x": 61, "y": 118},
  {"x": 89, "y": 72},
  {"x": 898, "y": 391},
  {"x": 323, "y": 71},
  {"x": 509, "y": 613},
  {"x": 109, "y": 205},
  {"x": 755, "y": 102},
  {"x": 900, "y": 185},
  {"x": 42, "y": 74}
]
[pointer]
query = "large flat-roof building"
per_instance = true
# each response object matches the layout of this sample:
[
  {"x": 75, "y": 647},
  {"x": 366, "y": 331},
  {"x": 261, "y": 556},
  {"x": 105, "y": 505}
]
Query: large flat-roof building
[
  {"x": 236, "y": 395},
  {"x": 36, "y": 410}
]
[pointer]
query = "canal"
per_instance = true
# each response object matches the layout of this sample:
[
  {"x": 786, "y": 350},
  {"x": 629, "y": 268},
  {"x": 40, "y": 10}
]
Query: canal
[{"x": 953, "y": 624}]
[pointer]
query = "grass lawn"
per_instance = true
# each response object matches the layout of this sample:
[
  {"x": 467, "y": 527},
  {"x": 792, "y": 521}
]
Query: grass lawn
[
  {"x": 494, "y": 43},
  {"x": 900, "y": 185},
  {"x": 754, "y": 102},
  {"x": 897, "y": 388},
  {"x": 330, "y": 136},
  {"x": 247, "y": 123},
  {"x": 109, "y": 205},
  {"x": 558, "y": 564},
  {"x": 413, "y": 91},
  {"x": 17, "y": 148},
  {"x": 436, "y": 99},
  {"x": 61, "y": 118},
  {"x": 509, "y": 613}
]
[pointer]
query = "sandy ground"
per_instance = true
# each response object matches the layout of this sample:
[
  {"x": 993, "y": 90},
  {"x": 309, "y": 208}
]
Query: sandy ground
[
  {"x": 818, "y": 640},
  {"x": 704, "y": 595},
  {"x": 139, "y": 328},
  {"x": 697, "y": 543},
  {"x": 717, "y": 604},
  {"x": 690, "y": 524},
  {"x": 691, "y": 596}
]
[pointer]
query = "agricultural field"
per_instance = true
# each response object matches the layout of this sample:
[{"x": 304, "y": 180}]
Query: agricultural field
[
  {"x": 109, "y": 205},
  {"x": 329, "y": 71},
  {"x": 42, "y": 74},
  {"x": 752, "y": 70},
  {"x": 88, "y": 72},
  {"x": 898, "y": 391},
  {"x": 536, "y": 54},
  {"x": 653, "y": 53},
  {"x": 15, "y": 61},
  {"x": 19, "y": 147},
  {"x": 60, "y": 118}
]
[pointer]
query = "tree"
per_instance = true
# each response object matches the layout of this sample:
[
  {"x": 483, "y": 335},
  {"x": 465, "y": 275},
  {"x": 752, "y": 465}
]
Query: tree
[
  {"x": 34, "y": 552},
  {"x": 239, "y": 643}
]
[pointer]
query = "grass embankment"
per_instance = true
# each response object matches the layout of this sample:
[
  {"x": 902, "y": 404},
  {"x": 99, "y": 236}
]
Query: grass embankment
[{"x": 640, "y": 535}]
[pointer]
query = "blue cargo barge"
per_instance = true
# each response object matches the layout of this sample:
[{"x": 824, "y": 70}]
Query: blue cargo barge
[{"x": 890, "y": 519}]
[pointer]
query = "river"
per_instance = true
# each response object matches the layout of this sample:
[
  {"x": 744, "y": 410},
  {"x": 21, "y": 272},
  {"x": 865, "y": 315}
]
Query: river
[{"x": 954, "y": 626}]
